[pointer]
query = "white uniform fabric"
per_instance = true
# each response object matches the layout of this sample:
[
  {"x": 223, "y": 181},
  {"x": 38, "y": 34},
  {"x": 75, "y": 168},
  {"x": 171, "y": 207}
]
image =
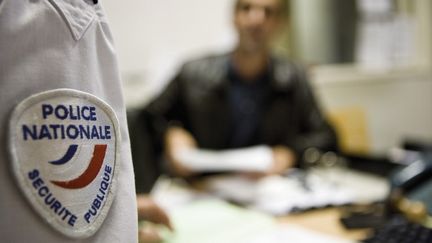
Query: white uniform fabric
[{"x": 52, "y": 44}]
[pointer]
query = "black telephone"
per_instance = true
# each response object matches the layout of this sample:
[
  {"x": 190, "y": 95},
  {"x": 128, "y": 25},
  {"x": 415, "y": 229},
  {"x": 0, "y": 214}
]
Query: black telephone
[
  {"x": 414, "y": 181},
  {"x": 409, "y": 204},
  {"x": 410, "y": 176},
  {"x": 411, "y": 188}
]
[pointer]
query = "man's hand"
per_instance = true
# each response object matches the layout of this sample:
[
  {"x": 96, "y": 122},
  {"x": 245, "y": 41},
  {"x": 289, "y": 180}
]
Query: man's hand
[
  {"x": 177, "y": 139},
  {"x": 149, "y": 211},
  {"x": 283, "y": 159}
]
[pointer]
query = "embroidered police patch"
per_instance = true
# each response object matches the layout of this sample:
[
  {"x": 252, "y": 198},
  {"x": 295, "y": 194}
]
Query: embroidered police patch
[{"x": 64, "y": 146}]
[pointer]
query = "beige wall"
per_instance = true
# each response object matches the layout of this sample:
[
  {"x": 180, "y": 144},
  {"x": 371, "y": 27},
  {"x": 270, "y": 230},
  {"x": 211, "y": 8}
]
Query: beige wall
[
  {"x": 396, "y": 106},
  {"x": 154, "y": 36}
]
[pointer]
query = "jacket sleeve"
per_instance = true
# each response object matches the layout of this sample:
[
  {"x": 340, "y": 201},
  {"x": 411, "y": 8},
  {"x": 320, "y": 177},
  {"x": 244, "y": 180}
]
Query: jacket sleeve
[
  {"x": 314, "y": 130},
  {"x": 166, "y": 109}
]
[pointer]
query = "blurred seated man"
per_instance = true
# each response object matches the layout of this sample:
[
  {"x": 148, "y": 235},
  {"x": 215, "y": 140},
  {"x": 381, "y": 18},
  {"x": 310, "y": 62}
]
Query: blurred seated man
[{"x": 244, "y": 98}]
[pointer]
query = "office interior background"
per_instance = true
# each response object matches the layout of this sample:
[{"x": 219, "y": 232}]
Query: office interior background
[{"x": 369, "y": 60}]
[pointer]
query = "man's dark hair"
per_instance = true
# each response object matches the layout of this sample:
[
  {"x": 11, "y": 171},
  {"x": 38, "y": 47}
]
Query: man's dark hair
[{"x": 284, "y": 10}]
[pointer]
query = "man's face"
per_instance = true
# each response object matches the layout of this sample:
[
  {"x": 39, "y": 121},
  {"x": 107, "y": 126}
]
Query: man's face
[{"x": 256, "y": 22}]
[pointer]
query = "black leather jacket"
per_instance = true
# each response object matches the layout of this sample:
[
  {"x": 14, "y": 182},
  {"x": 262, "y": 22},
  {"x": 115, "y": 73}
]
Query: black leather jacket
[{"x": 197, "y": 100}]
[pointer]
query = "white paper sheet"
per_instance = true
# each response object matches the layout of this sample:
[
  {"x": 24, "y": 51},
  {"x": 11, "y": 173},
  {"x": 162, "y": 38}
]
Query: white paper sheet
[{"x": 258, "y": 158}]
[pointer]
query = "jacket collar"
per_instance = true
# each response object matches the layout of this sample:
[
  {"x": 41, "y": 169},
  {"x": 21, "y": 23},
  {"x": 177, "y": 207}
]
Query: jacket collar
[{"x": 282, "y": 73}]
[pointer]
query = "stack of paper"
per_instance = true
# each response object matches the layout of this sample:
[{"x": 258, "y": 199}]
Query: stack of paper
[{"x": 280, "y": 195}]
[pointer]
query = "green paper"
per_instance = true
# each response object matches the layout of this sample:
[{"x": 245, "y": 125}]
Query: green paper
[{"x": 216, "y": 221}]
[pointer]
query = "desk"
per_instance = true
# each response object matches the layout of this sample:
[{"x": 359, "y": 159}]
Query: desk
[
  {"x": 215, "y": 221},
  {"x": 324, "y": 221},
  {"x": 198, "y": 219}
]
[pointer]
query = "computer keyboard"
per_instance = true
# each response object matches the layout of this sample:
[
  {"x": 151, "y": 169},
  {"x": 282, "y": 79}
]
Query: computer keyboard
[{"x": 400, "y": 230}]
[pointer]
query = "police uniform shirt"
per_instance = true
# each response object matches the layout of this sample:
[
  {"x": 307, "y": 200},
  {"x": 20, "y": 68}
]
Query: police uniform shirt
[{"x": 48, "y": 45}]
